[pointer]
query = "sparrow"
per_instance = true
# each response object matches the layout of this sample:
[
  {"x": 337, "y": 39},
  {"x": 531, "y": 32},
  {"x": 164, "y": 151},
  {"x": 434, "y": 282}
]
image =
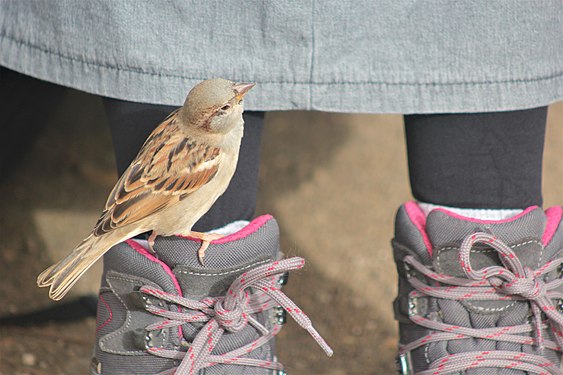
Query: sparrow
[{"x": 185, "y": 164}]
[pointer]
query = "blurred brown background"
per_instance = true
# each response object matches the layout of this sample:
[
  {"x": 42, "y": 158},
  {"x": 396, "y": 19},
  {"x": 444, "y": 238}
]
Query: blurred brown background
[{"x": 333, "y": 181}]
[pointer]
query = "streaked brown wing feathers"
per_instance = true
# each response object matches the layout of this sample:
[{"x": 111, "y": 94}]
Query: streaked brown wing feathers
[{"x": 168, "y": 169}]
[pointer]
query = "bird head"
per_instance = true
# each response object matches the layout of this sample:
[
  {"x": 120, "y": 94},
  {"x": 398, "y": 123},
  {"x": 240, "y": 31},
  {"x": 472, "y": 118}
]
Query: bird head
[{"x": 215, "y": 105}]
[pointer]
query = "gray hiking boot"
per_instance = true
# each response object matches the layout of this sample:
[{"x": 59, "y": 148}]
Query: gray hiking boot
[
  {"x": 164, "y": 313},
  {"x": 479, "y": 297}
]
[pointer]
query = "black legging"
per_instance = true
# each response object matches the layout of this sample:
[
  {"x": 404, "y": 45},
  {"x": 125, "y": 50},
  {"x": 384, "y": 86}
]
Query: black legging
[
  {"x": 481, "y": 160},
  {"x": 25, "y": 104}
]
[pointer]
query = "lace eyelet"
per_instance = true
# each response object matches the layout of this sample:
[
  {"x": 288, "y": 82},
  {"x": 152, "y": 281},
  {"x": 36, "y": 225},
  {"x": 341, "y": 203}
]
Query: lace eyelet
[
  {"x": 144, "y": 339},
  {"x": 413, "y": 306},
  {"x": 280, "y": 315},
  {"x": 409, "y": 271},
  {"x": 96, "y": 366},
  {"x": 141, "y": 300},
  {"x": 404, "y": 364},
  {"x": 155, "y": 339},
  {"x": 284, "y": 278}
]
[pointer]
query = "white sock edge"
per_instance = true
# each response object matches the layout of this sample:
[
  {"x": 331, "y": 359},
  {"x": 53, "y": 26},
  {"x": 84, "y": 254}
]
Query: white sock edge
[
  {"x": 226, "y": 230},
  {"x": 230, "y": 228},
  {"x": 474, "y": 213}
]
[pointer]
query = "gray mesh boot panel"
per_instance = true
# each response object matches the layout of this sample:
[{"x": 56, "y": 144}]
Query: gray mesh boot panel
[
  {"x": 447, "y": 322},
  {"x": 122, "y": 337}
]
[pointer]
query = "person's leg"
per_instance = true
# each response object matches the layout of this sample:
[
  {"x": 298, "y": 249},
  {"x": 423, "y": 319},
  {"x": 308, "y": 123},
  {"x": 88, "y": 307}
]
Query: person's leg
[
  {"x": 131, "y": 123},
  {"x": 473, "y": 257},
  {"x": 25, "y": 104},
  {"x": 482, "y": 160}
]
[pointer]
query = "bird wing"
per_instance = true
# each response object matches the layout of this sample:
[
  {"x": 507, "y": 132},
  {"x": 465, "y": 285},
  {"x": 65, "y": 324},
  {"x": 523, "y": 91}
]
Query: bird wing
[{"x": 169, "y": 167}]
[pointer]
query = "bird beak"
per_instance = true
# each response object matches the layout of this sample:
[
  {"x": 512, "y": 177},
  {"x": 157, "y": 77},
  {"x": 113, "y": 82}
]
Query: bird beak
[{"x": 242, "y": 88}]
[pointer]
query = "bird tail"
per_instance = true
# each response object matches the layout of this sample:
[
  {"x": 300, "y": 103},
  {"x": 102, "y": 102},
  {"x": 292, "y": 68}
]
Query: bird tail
[{"x": 64, "y": 274}]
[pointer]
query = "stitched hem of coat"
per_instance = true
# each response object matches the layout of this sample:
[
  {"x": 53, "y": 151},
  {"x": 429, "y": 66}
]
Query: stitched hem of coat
[{"x": 140, "y": 85}]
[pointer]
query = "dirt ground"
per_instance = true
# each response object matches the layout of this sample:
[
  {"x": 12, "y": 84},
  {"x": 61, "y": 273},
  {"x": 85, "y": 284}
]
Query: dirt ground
[{"x": 333, "y": 182}]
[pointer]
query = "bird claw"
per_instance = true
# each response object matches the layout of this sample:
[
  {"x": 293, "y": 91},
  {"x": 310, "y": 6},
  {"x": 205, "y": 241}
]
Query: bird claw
[
  {"x": 206, "y": 239},
  {"x": 201, "y": 251},
  {"x": 151, "y": 240}
]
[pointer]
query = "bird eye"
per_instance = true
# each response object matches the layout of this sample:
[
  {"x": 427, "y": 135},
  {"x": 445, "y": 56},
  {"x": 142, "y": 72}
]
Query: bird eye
[{"x": 225, "y": 107}]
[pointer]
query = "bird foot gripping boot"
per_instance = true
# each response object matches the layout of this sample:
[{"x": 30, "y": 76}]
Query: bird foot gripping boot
[
  {"x": 479, "y": 297},
  {"x": 165, "y": 313}
]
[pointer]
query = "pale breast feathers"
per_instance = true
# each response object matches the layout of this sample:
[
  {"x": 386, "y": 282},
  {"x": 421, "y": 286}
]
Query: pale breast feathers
[{"x": 168, "y": 169}]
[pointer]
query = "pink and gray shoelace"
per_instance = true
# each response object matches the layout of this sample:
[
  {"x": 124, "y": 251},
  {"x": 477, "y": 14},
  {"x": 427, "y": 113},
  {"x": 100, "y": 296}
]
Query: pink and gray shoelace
[
  {"x": 509, "y": 281},
  {"x": 231, "y": 313}
]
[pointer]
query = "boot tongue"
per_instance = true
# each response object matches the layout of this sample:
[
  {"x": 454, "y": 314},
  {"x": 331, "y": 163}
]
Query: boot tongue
[
  {"x": 256, "y": 244},
  {"x": 250, "y": 247},
  {"x": 446, "y": 231}
]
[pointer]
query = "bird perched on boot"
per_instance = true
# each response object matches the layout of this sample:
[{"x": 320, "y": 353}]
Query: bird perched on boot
[{"x": 182, "y": 168}]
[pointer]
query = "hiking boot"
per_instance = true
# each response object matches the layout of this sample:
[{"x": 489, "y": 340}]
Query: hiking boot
[
  {"x": 163, "y": 312},
  {"x": 477, "y": 296}
]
